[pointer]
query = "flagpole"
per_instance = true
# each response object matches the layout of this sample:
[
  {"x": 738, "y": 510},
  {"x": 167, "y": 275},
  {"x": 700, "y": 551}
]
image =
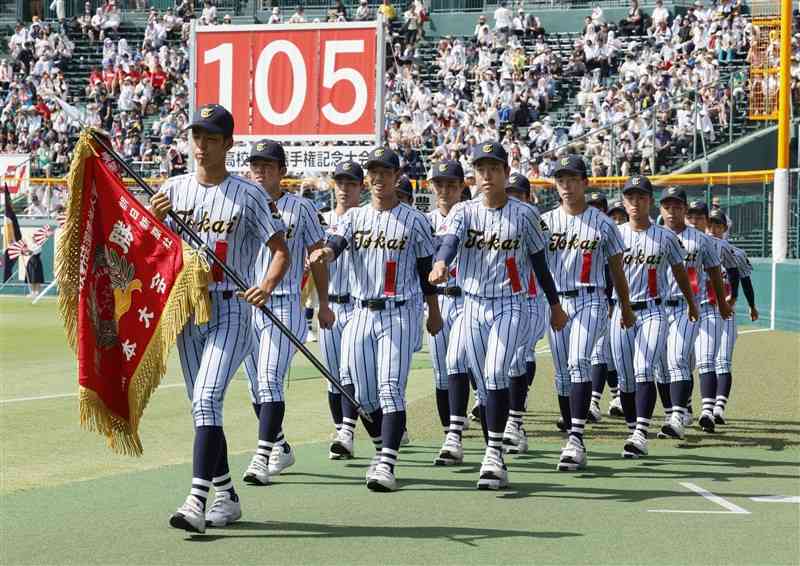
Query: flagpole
[
  {"x": 43, "y": 293},
  {"x": 231, "y": 274}
]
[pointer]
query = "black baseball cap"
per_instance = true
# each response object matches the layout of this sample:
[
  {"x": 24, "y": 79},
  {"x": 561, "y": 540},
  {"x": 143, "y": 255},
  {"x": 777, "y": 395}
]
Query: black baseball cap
[
  {"x": 383, "y": 157},
  {"x": 698, "y": 206},
  {"x": 349, "y": 170},
  {"x": 214, "y": 119},
  {"x": 717, "y": 215},
  {"x": 518, "y": 184},
  {"x": 447, "y": 169},
  {"x": 617, "y": 205},
  {"x": 268, "y": 150},
  {"x": 490, "y": 150},
  {"x": 597, "y": 197},
  {"x": 638, "y": 183},
  {"x": 403, "y": 185},
  {"x": 571, "y": 164},
  {"x": 673, "y": 193}
]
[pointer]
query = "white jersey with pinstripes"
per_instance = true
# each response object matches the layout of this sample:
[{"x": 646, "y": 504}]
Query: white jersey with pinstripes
[
  {"x": 303, "y": 229},
  {"x": 339, "y": 270},
  {"x": 580, "y": 246},
  {"x": 384, "y": 246},
  {"x": 437, "y": 220},
  {"x": 647, "y": 259},
  {"x": 742, "y": 262},
  {"x": 701, "y": 254},
  {"x": 495, "y": 245},
  {"x": 236, "y": 212}
]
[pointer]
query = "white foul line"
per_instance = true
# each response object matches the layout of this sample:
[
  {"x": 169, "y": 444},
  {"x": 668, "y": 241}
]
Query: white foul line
[
  {"x": 755, "y": 330},
  {"x": 732, "y": 508},
  {"x": 67, "y": 395},
  {"x": 777, "y": 499}
]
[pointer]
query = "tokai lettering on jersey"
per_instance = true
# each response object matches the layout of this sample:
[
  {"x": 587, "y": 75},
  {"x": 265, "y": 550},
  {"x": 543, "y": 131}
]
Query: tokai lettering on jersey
[
  {"x": 206, "y": 223},
  {"x": 366, "y": 239},
  {"x": 647, "y": 259},
  {"x": 701, "y": 255}
]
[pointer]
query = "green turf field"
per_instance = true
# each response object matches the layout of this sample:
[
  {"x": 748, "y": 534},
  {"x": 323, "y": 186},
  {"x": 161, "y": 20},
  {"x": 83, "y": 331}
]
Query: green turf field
[{"x": 66, "y": 499}]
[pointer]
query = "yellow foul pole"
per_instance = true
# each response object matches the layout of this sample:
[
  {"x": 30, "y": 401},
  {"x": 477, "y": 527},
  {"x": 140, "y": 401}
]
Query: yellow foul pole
[{"x": 784, "y": 97}]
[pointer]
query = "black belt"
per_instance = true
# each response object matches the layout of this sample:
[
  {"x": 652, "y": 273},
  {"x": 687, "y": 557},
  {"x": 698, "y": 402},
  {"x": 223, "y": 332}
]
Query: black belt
[
  {"x": 576, "y": 292},
  {"x": 339, "y": 299},
  {"x": 449, "y": 291},
  {"x": 674, "y": 302},
  {"x": 380, "y": 304},
  {"x": 641, "y": 305},
  {"x": 612, "y": 302},
  {"x": 227, "y": 295}
]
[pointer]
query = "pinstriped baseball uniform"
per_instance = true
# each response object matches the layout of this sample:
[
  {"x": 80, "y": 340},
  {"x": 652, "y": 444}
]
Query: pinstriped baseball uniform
[
  {"x": 451, "y": 309},
  {"x": 338, "y": 285},
  {"x": 383, "y": 248},
  {"x": 236, "y": 212},
  {"x": 495, "y": 245},
  {"x": 648, "y": 257},
  {"x": 267, "y": 365},
  {"x": 701, "y": 255},
  {"x": 729, "y": 326},
  {"x": 578, "y": 250},
  {"x": 538, "y": 309}
]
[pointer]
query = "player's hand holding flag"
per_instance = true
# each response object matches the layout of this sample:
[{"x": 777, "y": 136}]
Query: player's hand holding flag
[{"x": 127, "y": 287}]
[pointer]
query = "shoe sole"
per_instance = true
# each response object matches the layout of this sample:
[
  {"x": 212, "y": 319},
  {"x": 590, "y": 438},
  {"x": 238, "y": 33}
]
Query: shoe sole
[
  {"x": 341, "y": 450},
  {"x": 561, "y": 427},
  {"x": 669, "y": 434},
  {"x": 446, "y": 460},
  {"x": 719, "y": 420},
  {"x": 253, "y": 480},
  {"x": 706, "y": 424},
  {"x": 180, "y": 522},
  {"x": 219, "y": 524},
  {"x": 336, "y": 456},
  {"x": 375, "y": 485},
  {"x": 631, "y": 451},
  {"x": 491, "y": 482},
  {"x": 278, "y": 471},
  {"x": 616, "y": 413},
  {"x": 569, "y": 466}
]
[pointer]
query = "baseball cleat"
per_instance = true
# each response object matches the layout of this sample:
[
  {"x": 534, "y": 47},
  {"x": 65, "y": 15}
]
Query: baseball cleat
[
  {"x": 280, "y": 459},
  {"x": 406, "y": 440},
  {"x": 494, "y": 474},
  {"x": 515, "y": 441},
  {"x": 466, "y": 424},
  {"x": 673, "y": 428},
  {"x": 382, "y": 479},
  {"x": 376, "y": 459},
  {"x": 719, "y": 416},
  {"x": 189, "y": 516},
  {"x": 224, "y": 510},
  {"x": 573, "y": 456},
  {"x": 706, "y": 422},
  {"x": 595, "y": 414},
  {"x": 475, "y": 414},
  {"x": 615, "y": 408},
  {"x": 257, "y": 472},
  {"x": 451, "y": 453},
  {"x": 688, "y": 417},
  {"x": 561, "y": 425},
  {"x": 342, "y": 447},
  {"x": 635, "y": 446}
]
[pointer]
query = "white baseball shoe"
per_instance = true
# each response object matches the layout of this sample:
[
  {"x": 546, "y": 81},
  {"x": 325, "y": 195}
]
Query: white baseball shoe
[
  {"x": 573, "y": 456},
  {"x": 279, "y": 459},
  {"x": 595, "y": 414},
  {"x": 615, "y": 408},
  {"x": 515, "y": 441},
  {"x": 467, "y": 424},
  {"x": 342, "y": 446},
  {"x": 376, "y": 459},
  {"x": 257, "y": 472},
  {"x": 406, "y": 440},
  {"x": 494, "y": 474},
  {"x": 635, "y": 446},
  {"x": 224, "y": 510},
  {"x": 719, "y": 415},
  {"x": 673, "y": 428},
  {"x": 706, "y": 422},
  {"x": 382, "y": 479},
  {"x": 311, "y": 336},
  {"x": 688, "y": 418},
  {"x": 189, "y": 516},
  {"x": 451, "y": 453}
]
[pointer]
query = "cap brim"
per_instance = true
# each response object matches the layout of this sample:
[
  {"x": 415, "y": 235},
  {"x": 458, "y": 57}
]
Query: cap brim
[
  {"x": 203, "y": 125},
  {"x": 637, "y": 190},
  {"x": 515, "y": 190},
  {"x": 262, "y": 158},
  {"x": 569, "y": 170},
  {"x": 380, "y": 163},
  {"x": 345, "y": 175},
  {"x": 671, "y": 197},
  {"x": 617, "y": 208},
  {"x": 488, "y": 157},
  {"x": 446, "y": 177}
]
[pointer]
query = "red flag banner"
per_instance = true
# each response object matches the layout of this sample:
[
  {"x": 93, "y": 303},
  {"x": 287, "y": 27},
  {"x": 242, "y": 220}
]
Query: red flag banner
[{"x": 128, "y": 285}]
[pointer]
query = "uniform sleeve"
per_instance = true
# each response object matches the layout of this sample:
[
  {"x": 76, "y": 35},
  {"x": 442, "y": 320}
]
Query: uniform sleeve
[
  {"x": 263, "y": 217},
  {"x": 742, "y": 263},
  {"x": 423, "y": 237},
  {"x": 674, "y": 251},
  {"x": 344, "y": 227},
  {"x": 612, "y": 240},
  {"x": 455, "y": 224},
  {"x": 726, "y": 256},
  {"x": 709, "y": 254},
  {"x": 532, "y": 232},
  {"x": 313, "y": 231}
]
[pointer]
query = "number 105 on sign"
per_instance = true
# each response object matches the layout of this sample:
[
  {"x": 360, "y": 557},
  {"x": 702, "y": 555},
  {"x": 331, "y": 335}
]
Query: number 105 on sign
[{"x": 292, "y": 82}]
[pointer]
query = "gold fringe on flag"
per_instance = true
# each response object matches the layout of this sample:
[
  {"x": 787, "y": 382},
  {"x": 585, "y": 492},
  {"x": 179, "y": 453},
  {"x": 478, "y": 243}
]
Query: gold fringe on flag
[{"x": 189, "y": 296}]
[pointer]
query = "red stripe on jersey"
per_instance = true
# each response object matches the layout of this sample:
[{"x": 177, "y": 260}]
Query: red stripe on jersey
[
  {"x": 586, "y": 267},
  {"x": 652, "y": 282},
  {"x": 712, "y": 295},
  {"x": 513, "y": 274},
  {"x": 221, "y": 251},
  {"x": 532, "y": 290},
  {"x": 454, "y": 272},
  {"x": 390, "y": 279},
  {"x": 304, "y": 280},
  {"x": 692, "y": 273}
]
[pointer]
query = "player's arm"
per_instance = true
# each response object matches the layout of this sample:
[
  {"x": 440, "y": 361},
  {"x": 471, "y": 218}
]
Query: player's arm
[
  {"x": 715, "y": 276},
  {"x": 424, "y": 269},
  {"x": 621, "y": 285},
  {"x": 682, "y": 279},
  {"x": 328, "y": 251},
  {"x": 278, "y": 266},
  {"x": 749, "y": 294},
  {"x": 444, "y": 257},
  {"x": 160, "y": 206},
  {"x": 319, "y": 271},
  {"x": 558, "y": 318}
]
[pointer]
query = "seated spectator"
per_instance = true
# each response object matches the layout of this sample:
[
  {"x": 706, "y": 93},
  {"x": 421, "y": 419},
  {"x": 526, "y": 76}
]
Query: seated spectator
[
  {"x": 388, "y": 11},
  {"x": 363, "y": 13},
  {"x": 298, "y": 17},
  {"x": 209, "y": 15}
]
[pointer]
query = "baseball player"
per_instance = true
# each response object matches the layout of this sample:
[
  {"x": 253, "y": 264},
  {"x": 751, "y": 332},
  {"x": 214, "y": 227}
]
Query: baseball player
[
  {"x": 702, "y": 262},
  {"x": 267, "y": 365},
  {"x": 349, "y": 183},
  {"x": 497, "y": 241},
  {"x": 390, "y": 246},
  {"x": 709, "y": 333},
  {"x": 447, "y": 178},
  {"x": 405, "y": 192},
  {"x": 617, "y": 212},
  {"x": 232, "y": 216},
  {"x": 582, "y": 241},
  {"x": 650, "y": 252},
  {"x": 515, "y": 439},
  {"x": 718, "y": 227},
  {"x": 603, "y": 369}
]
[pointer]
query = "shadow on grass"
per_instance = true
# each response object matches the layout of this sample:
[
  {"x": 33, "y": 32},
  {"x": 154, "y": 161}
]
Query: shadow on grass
[{"x": 286, "y": 530}]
